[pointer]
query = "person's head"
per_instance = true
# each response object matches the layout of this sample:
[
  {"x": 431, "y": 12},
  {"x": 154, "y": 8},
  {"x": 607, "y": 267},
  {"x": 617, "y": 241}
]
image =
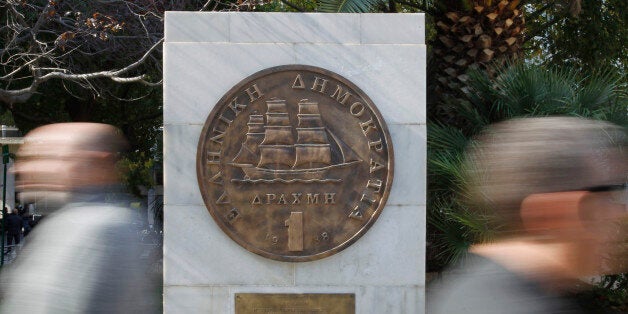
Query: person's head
[
  {"x": 557, "y": 178},
  {"x": 517, "y": 158},
  {"x": 60, "y": 158}
]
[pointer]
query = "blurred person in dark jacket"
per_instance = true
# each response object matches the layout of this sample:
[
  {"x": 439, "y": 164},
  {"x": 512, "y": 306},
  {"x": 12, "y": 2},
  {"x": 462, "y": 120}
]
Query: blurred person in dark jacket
[
  {"x": 556, "y": 186},
  {"x": 84, "y": 257},
  {"x": 14, "y": 227}
]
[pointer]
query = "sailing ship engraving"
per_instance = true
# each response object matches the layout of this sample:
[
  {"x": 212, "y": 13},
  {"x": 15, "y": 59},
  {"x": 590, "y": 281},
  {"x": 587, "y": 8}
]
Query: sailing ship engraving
[{"x": 270, "y": 152}]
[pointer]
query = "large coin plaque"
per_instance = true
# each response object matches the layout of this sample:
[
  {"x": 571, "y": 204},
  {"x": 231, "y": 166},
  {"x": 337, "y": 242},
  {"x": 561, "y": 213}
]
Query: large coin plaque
[{"x": 295, "y": 163}]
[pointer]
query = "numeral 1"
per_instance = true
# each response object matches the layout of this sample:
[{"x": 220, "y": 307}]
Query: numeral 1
[{"x": 295, "y": 231}]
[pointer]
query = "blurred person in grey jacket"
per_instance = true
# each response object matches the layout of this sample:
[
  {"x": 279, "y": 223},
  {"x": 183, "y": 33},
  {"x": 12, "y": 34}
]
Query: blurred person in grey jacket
[
  {"x": 555, "y": 185},
  {"x": 84, "y": 257}
]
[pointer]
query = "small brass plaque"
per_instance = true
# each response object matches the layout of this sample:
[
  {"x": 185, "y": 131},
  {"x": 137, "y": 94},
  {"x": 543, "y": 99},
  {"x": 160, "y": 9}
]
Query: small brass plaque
[
  {"x": 295, "y": 163},
  {"x": 311, "y": 303}
]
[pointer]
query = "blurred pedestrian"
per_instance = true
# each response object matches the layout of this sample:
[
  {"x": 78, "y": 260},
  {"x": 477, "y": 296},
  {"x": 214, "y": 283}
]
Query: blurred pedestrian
[
  {"x": 14, "y": 228},
  {"x": 84, "y": 257},
  {"x": 26, "y": 219},
  {"x": 556, "y": 186}
]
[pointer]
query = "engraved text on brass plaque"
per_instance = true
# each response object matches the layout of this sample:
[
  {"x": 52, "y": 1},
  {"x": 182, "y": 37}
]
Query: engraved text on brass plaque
[{"x": 249, "y": 303}]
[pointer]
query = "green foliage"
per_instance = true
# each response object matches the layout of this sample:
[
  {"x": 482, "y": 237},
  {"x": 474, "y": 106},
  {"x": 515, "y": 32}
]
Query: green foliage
[
  {"x": 527, "y": 90},
  {"x": 610, "y": 294},
  {"x": 445, "y": 151},
  {"x": 595, "y": 37},
  {"x": 6, "y": 118},
  {"x": 278, "y": 6},
  {"x": 136, "y": 170},
  {"x": 454, "y": 228},
  {"x": 353, "y": 6}
]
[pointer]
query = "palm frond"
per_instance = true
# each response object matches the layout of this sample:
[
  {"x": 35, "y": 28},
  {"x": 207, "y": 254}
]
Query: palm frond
[
  {"x": 448, "y": 167},
  {"x": 597, "y": 90},
  {"x": 521, "y": 89},
  {"x": 347, "y": 6},
  {"x": 451, "y": 241},
  {"x": 478, "y": 224},
  {"x": 457, "y": 228},
  {"x": 445, "y": 138}
]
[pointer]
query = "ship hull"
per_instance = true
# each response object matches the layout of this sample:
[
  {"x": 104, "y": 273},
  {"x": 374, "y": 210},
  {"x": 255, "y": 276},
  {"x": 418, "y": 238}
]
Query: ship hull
[{"x": 314, "y": 174}]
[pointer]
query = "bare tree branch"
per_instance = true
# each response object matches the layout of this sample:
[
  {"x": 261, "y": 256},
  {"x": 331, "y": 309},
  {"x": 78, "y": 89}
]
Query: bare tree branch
[
  {"x": 205, "y": 5},
  {"x": 41, "y": 44},
  {"x": 91, "y": 44},
  {"x": 21, "y": 95}
]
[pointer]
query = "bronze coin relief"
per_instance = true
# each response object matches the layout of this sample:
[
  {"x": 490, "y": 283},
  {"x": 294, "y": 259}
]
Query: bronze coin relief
[{"x": 295, "y": 163}]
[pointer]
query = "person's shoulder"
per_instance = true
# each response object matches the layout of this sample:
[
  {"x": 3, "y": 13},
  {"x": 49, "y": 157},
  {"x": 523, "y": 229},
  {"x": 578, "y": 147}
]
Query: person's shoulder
[
  {"x": 480, "y": 285},
  {"x": 93, "y": 213}
]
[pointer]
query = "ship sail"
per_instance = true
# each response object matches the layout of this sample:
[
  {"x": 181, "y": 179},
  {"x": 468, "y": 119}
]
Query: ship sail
[
  {"x": 278, "y": 119},
  {"x": 249, "y": 151},
  {"x": 348, "y": 155},
  {"x": 278, "y": 135},
  {"x": 276, "y": 156},
  {"x": 276, "y": 106},
  {"x": 310, "y": 156},
  {"x": 312, "y": 136},
  {"x": 310, "y": 121},
  {"x": 277, "y": 150},
  {"x": 308, "y": 107},
  {"x": 312, "y": 147}
]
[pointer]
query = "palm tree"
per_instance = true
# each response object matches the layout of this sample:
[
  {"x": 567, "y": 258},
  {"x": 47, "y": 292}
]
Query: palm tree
[{"x": 470, "y": 34}]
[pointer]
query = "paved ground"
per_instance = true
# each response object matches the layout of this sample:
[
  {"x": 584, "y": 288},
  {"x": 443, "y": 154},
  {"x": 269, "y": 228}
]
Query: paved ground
[{"x": 11, "y": 252}]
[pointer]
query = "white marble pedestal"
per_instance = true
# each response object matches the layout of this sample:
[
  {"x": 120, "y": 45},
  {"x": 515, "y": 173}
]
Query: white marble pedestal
[{"x": 205, "y": 54}]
